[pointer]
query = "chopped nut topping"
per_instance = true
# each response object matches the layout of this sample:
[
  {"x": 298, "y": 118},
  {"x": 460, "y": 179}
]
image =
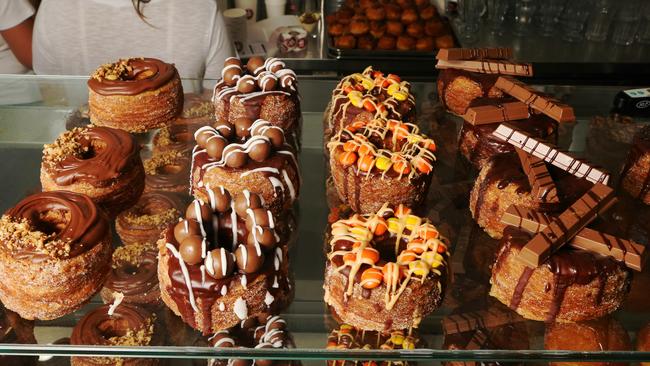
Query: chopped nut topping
[
  {"x": 130, "y": 253},
  {"x": 135, "y": 337},
  {"x": 119, "y": 70},
  {"x": 164, "y": 136},
  {"x": 167, "y": 158},
  {"x": 161, "y": 219},
  {"x": 17, "y": 235},
  {"x": 68, "y": 144},
  {"x": 199, "y": 110}
]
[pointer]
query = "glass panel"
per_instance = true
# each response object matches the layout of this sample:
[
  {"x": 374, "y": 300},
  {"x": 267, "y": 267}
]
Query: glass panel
[{"x": 26, "y": 125}]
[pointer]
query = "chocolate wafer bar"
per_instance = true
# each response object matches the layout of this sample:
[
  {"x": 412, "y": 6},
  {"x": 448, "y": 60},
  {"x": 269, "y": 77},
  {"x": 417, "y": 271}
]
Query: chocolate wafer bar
[
  {"x": 627, "y": 251},
  {"x": 542, "y": 186},
  {"x": 502, "y": 112},
  {"x": 488, "y": 67},
  {"x": 547, "y": 105},
  {"x": 564, "y": 227},
  {"x": 550, "y": 154},
  {"x": 453, "y": 54},
  {"x": 488, "y": 318}
]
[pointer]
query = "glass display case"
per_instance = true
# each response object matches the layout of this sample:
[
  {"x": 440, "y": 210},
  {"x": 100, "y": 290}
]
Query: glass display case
[{"x": 50, "y": 105}]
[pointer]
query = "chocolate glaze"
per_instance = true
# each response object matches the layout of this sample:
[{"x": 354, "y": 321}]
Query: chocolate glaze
[
  {"x": 96, "y": 327},
  {"x": 106, "y": 154},
  {"x": 640, "y": 148},
  {"x": 161, "y": 71},
  {"x": 169, "y": 176},
  {"x": 538, "y": 126},
  {"x": 131, "y": 279},
  {"x": 86, "y": 225},
  {"x": 569, "y": 266}
]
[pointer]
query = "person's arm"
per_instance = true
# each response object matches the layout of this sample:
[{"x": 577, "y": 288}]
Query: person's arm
[
  {"x": 219, "y": 48},
  {"x": 19, "y": 39}
]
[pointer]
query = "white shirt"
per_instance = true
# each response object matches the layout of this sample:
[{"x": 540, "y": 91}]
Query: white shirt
[
  {"x": 74, "y": 37},
  {"x": 12, "y": 13}
]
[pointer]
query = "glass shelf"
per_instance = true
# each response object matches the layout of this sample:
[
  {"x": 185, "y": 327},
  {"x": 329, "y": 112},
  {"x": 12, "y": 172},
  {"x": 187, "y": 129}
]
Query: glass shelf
[{"x": 28, "y": 124}]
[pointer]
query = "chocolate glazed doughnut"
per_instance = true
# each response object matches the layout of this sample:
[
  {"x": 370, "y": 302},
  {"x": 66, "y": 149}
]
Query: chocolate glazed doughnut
[
  {"x": 167, "y": 171},
  {"x": 102, "y": 163},
  {"x": 55, "y": 250},
  {"x": 133, "y": 275},
  {"x": 144, "y": 222},
  {"x": 135, "y": 95},
  {"x": 125, "y": 325}
]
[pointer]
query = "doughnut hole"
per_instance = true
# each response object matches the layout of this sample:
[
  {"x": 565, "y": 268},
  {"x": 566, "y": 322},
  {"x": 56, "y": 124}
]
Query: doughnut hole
[{"x": 52, "y": 221}]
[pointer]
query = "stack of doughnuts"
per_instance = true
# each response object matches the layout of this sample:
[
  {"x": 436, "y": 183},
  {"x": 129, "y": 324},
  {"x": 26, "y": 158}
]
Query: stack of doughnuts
[
  {"x": 226, "y": 261},
  {"x": 135, "y": 94},
  {"x": 243, "y": 156},
  {"x": 260, "y": 89},
  {"x": 386, "y": 270},
  {"x": 361, "y": 97}
]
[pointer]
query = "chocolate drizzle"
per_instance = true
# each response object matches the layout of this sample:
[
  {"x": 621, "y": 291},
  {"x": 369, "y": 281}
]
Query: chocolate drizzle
[
  {"x": 81, "y": 225},
  {"x": 103, "y": 156},
  {"x": 141, "y": 74}
]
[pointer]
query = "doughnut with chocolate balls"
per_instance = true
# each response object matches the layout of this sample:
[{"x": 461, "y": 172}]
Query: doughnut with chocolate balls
[
  {"x": 264, "y": 331},
  {"x": 246, "y": 155},
  {"x": 387, "y": 270},
  {"x": 361, "y": 97},
  {"x": 381, "y": 161},
  {"x": 135, "y": 94},
  {"x": 261, "y": 89},
  {"x": 226, "y": 261},
  {"x": 100, "y": 162}
]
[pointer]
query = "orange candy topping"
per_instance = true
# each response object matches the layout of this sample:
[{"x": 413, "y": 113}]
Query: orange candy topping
[
  {"x": 380, "y": 227},
  {"x": 371, "y": 278},
  {"x": 423, "y": 165},
  {"x": 350, "y": 146},
  {"x": 347, "y": 158},
  {"x": 366, "y": 162},
  {"x": 401, "y": 167}
]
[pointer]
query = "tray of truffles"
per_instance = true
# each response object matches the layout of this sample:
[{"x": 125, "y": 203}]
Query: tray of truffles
[
  {"x": 386, "y": 29},
  {"x": 390, "y": 225}
]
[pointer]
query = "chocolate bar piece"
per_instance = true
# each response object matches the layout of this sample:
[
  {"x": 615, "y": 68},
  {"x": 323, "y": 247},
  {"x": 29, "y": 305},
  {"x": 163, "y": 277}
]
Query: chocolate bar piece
[
  {"x": 564, "y": 227},
  {"x": 547, "y": 105},
  {"x": 550, "y": 154},
  {"x": 453, "y": 54},
  {"x": 488, "y": 318},
  {"x": 479, "y": 340},
  {"x": 627, "y": 251},
  {"x": 485, "y": 114},
  {"x": 542, "y": 186},
  {"x": 488, "y": 67}
]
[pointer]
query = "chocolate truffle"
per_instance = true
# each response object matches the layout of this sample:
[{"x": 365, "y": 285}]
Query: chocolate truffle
[
  {"x": 247, "y": 258},
  {"x": 222, "y": 263},
  {"x": 190, "y": 249}
]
